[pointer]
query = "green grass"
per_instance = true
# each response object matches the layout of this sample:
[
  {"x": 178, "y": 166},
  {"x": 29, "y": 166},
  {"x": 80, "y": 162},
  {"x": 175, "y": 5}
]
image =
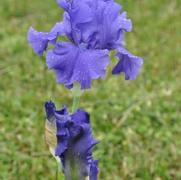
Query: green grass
[{"x": 138, "y": 122}]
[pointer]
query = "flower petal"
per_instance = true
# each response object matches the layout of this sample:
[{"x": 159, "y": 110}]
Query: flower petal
[
  {"x": 93, "y": 170},
  {"x": 113, "y": 26},
  {"x": 63, "y": 4},
  {"x": 79, "y": 12},
  {"x": 125, "y": 23},
  {"x": 36, "y": 40},
  {"x": 62, "y": 137},
  {"x": 39, "y": 40},
  {"x": 76, "y": 64},
  {"x": 87, "y": 141},
  {"x": 98, "y": 23},
  {"x": 128, "y": 64}
]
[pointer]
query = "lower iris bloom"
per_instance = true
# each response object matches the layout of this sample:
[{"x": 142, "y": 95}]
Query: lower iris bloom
[
  {"x": 74, "y": 141},
  {"x": 93, "y": 28}
]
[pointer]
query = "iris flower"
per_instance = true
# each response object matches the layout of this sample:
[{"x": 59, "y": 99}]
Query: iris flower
[
  {"x": 94, "y": 28},
  {"x": 74, "y": 141}
]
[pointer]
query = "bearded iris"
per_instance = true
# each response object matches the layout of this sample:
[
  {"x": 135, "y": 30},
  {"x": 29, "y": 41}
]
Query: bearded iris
[
  {"x": 94, "y": 28},
  {"x": 74, "y": 141}
]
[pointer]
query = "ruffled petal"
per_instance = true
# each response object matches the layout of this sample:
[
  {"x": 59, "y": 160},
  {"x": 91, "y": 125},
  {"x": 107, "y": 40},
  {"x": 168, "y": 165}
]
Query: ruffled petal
[
  {"x": 110, "y": 27},
  {"x": 125, "y": 23},
  {"x": 62, "y": 60},
  {"x": 99, "y": 24},
  {"x": 36, "y": 40},
  {"x": 128, "y": 64},
  {"x": 113, "y": 26},
  {"x": 76, "y": 64},
  {"x": 39, "y": 40},
  {"x": 79, "y": 12}
]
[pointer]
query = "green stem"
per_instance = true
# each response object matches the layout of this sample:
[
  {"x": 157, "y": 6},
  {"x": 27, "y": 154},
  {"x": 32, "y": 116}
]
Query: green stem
[
  {"x": 77, "y": 92},
  {"x": 76, "y": 101},
  {"x": 72, "y": 171},
  {"x": 57, "y": 172}
]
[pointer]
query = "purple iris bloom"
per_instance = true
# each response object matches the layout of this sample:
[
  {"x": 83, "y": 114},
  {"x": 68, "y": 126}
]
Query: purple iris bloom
[
  {"x": 74, "y": 141},
  {"x": 93, "y": 27}
]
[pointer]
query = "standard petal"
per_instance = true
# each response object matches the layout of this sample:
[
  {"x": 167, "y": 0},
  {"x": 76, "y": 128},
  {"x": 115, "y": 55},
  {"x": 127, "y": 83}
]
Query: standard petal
[
  {"x": 113, "y": 26},
  {"x": 128, "y": 64},
  {"x": 76, "y": 64},
  {"x": 80, "y": 14},
  {"x": 99, "y": 23}
]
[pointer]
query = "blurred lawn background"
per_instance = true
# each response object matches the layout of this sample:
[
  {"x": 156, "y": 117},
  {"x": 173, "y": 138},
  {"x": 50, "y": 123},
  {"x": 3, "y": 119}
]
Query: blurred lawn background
[{"x": 138, "y": 122}]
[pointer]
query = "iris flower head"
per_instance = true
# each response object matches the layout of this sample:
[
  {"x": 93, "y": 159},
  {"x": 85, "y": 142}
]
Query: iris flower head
[
  {"x": 75, "y": 141},
  {"x": 94, "y": 28}
]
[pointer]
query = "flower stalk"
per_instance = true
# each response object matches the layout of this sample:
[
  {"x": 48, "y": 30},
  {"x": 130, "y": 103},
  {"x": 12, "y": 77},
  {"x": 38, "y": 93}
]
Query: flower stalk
[
  {"x": 72, "y": 171},
  {"x": 77, "y": 92}
]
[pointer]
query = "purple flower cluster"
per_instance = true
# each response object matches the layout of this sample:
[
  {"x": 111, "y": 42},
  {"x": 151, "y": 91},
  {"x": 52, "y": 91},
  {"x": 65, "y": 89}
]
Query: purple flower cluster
[
  {"x": 74, "y": 141},
  {"x": 94, "y": 28}
]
